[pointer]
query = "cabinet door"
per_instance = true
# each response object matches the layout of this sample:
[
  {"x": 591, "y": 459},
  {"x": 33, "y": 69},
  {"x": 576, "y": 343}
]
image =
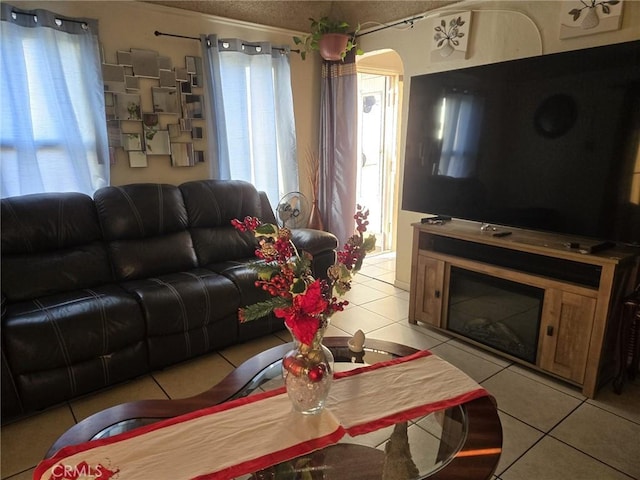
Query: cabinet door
[
  {"x": 429, "y": 290},
  {"x": 567, "y": 320}
]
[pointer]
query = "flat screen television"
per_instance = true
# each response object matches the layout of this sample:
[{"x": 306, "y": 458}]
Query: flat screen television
[{"x": 546, "y": 143}]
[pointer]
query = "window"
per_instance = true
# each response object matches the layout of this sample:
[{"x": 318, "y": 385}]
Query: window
[
  {"x": 253, "y": 110},
  {"x": 52, "y": 128}
]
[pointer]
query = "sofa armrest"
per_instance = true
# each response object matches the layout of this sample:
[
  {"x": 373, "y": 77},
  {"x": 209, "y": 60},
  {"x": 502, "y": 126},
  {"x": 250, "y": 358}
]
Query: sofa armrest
[
  {"x": 313, "y": 241},
  {"x": 320, "y": 245}
]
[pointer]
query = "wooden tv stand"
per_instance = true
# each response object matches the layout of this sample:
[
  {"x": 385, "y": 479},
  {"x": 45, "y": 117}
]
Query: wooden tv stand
[{"x": 582, "y": 290}]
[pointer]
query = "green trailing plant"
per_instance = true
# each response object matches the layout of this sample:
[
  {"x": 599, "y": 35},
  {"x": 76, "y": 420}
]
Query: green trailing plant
[{"x": 321, "y": 27}]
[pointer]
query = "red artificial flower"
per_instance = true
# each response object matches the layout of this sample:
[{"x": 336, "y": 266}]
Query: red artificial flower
[
  {"x": 302, "y": 316},
  {"x": 311, "y": 302},
  {"x": 303, "y": 327}
]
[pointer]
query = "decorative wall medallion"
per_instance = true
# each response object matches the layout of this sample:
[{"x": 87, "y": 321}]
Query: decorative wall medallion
[
  {"x": 584, "y": 17},
  {"x": 450, "y": 37}
]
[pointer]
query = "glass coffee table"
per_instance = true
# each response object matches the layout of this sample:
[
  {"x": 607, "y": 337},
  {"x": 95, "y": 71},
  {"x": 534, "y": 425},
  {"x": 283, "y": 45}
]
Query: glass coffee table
[{"x": 455, "y": 443}]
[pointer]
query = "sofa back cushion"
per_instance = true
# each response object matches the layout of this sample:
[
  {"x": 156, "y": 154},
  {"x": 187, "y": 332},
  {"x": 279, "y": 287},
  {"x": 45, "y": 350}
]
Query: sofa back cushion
[
  {"x": 211, "y": 205},
  {"x": 51, "y": 243},
  {"x": 145, "y": 226}
]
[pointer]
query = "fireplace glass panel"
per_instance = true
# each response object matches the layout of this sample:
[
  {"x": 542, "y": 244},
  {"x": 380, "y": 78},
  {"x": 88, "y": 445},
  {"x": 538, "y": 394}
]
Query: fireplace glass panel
[{"x": 499, "y": 313}]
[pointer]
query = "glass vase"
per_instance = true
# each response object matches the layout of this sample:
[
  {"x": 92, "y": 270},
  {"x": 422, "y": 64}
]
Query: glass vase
[{"x": 307, "y": 370}]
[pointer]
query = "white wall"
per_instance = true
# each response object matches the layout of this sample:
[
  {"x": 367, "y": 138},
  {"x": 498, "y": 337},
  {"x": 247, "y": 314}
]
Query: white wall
[{"x": 500, "y": 30}]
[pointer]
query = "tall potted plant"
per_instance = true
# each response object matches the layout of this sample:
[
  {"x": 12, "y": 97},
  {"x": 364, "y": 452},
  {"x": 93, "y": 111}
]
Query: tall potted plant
[{"x": 331, "y": 38}]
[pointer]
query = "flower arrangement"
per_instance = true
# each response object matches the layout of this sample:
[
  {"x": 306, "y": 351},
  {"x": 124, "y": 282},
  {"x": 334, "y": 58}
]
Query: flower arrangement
[{"x": 301, "y": 300}]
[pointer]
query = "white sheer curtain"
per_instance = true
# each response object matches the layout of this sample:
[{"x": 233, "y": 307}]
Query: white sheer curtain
[
  {"x": 53, "y": 133},
  {"x": 462, "y": 114},
  {"x": 253, "y": 134}
]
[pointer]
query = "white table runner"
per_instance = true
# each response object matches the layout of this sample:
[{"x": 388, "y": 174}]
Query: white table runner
[{"x": 255, "y": 432}]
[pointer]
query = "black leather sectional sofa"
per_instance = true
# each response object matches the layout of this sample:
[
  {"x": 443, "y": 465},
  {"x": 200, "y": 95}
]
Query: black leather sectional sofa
[{"x": 97, "y": 291}]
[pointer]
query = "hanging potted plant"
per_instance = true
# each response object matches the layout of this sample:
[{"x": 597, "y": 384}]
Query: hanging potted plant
[{"x": 331, "y": 38}]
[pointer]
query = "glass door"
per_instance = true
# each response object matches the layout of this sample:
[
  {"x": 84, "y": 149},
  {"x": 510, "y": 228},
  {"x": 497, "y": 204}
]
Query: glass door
[{"x": 377, "y": 152}]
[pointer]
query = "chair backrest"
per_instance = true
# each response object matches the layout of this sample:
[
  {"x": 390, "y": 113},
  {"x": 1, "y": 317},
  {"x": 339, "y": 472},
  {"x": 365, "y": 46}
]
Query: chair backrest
[
  {"x": 145, "y": 227},
  {"x": 211, "y": 205},
  {"x": 51, "y": 243}
]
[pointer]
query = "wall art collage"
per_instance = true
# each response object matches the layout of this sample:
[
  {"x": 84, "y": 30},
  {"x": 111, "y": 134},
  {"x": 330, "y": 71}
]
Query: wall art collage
[{"x": 153, "y": 108}]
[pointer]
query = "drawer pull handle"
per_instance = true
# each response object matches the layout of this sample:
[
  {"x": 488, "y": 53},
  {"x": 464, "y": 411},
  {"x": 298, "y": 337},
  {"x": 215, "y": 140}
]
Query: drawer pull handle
[
  {"x": 437, "y": 293},
  {"x": 549, "y": 330}
]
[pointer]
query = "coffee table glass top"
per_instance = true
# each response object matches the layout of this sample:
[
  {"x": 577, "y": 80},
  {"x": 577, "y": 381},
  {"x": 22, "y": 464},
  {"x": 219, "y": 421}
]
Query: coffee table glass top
[{"x": 413, "y": 449}]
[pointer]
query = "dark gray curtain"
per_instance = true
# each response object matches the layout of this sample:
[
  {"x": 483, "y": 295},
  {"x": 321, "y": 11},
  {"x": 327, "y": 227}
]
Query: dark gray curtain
[{"x": 338, "y": 146}]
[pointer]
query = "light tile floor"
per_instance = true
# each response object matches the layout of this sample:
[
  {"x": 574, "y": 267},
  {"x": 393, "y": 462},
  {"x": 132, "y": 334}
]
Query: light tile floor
[{"x": 551, "y": 431}]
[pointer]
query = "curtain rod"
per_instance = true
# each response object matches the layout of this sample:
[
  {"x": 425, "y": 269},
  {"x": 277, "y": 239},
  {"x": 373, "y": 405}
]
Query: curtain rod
[
  {"x": 31, "y": 14},
  {"x": 408, "y": 21},
  {"x": 157, "y": 34}
]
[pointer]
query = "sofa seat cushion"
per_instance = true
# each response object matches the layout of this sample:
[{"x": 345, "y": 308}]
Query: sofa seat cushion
[
  {"x": 187, "y": 314},
  {"x": 244, "y": 278},
  {"x": 64, "y": 345}
]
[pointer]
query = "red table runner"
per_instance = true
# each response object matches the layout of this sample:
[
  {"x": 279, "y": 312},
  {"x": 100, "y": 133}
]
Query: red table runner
[{"x": 254, "y": 432}]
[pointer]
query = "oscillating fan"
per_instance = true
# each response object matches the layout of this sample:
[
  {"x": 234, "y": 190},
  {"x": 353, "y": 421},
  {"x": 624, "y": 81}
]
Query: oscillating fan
[{"x": 293, "y": 210}]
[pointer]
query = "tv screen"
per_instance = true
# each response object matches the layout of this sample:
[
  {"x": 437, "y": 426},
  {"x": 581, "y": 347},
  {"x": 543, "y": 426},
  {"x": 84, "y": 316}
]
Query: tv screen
[{"x": 547, "y": 143}]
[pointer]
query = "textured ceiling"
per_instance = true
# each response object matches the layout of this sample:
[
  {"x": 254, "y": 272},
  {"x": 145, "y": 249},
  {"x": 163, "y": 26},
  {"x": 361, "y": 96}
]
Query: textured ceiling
[{"x": 295, "y": 15}]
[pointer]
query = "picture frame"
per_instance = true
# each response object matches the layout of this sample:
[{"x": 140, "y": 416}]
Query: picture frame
[
  {"x": 131, "y": 83},
  {"x": 181, "y": 154},
  {"x": 114, "y": 134},
  {"x": 157, "y": 142},
  {"x": 190, "y": 64},
  {"x": 124, "y": 58},
  {"x": 132, "y": 141},
  {"x": 113, "y": 78},
  {"x": 112, "y": 73},
  {"x": 197, "y": 133},
  {"x": 181, "y": 74},
  {"x": 198, "y": 156},
  {"x": 150, "y": 119},
  {"x": 109, "y": 106},
  {"x": 164, "y": 63},
  {"x": 145, "y": 63},
  {"x": 193, "y": 106},
  {"x": 165, "y": 100},
  {"x": 451, "y": 36},
  {"x": 579, "y": 18},
  {"x": 137, "y": 159},
  {"x": 185, "y": 124},
  {"x": 128, "y": 106},
  {"x": 174, "y": 130},
  {"x": 167, "y": 79}
]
